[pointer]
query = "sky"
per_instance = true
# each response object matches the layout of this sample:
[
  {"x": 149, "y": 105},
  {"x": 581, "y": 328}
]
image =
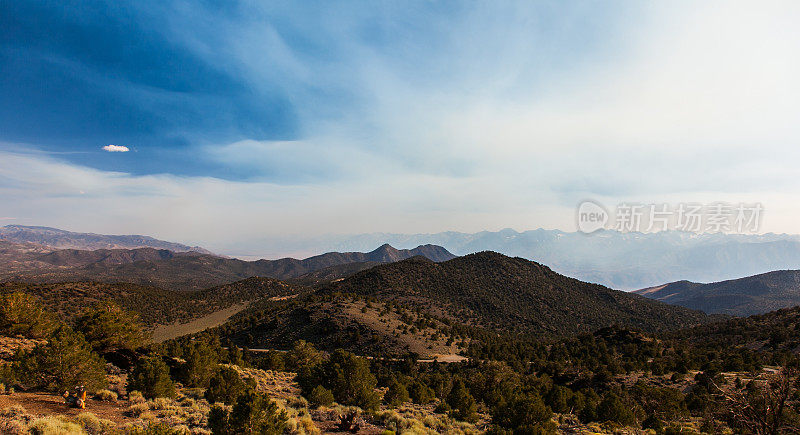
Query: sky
[{"x": 224, "y": 123}]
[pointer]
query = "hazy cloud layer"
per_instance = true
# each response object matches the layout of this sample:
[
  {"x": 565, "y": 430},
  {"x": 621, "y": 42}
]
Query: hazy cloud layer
[{"x": 252, "y": 118}]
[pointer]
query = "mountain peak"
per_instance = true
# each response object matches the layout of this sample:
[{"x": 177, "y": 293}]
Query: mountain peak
[{"x": 385, "y": 248}]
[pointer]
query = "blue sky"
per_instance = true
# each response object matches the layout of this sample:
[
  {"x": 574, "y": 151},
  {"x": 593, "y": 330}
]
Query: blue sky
[{"x": 246, "y": 119}]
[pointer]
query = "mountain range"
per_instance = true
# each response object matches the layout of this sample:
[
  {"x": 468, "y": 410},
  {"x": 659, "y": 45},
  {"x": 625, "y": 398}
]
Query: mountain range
[
  {"x": 625, "y": 261},
  {"x": 747, "y": 296},
  {"x": 26, "y": 261},
  {"x": 183, "y": 270}
]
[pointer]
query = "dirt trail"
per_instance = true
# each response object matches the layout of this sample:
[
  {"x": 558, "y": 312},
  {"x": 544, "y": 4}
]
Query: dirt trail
[
  {"x": 450, "y": 358},
  {"x": 50, "y": 404}
]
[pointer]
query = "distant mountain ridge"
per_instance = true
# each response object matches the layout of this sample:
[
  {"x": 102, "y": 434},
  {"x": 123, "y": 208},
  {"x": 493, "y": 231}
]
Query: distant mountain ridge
[
  {"x": 62, "y": 239},
  {"x": 747, "y": 296},
  {"x": 625, "y": 261},
  {"x": 182, "y": 270}
]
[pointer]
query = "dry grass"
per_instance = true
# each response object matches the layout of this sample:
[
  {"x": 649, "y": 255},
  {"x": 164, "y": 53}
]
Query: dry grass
[
  {"x": 413, "y": 419},
  {"x": 16, "y": 420},
  {"x": 184, "y": 413},
  {"x": 106, "y": 396},
  {"x": 280, "y": 385}
]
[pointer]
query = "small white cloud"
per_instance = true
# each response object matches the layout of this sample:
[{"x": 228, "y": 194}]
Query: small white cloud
[{"x": 116, "y": 148}]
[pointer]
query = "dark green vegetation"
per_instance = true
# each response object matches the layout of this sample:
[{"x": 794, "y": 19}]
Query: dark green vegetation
[
  {"x": 110, "y": 328},
  {"x": 739, "y": 297},
  {"x": 23, "y": 314},
  {"x": 775, "y": 332},
  {"x": 253, "y": 413},
  {"x": 66, "y": 360},
  {"x": 151, "y": 377}
]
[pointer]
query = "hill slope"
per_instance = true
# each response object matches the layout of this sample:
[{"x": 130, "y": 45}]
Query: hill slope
[
  {"x": 492, "y": 290},
  {"x": 776, "y": 331},
  {"x": 756, "y": 294},
  {"x": 434, "y": 308}
]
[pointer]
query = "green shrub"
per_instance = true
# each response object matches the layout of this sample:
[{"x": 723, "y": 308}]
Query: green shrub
[
  {"x": 106, "y": 396},
  {"x": 272, "y": 361},
  {"x": 202, "y": 360},
  {"x": 558, "y": 397},
  {"x": 151, "y": 378},
  {"x": 52, "y": 425},
  {"x": 157, "y": 428},
  {"x": 253, "y": 413},
  {"x": 396, "y": 394},
  {"x": 137, "y": 409},
  {"x": 303, "y": 355},
  {"x": 321, "y": 396},
  {"x": 65, "y": 361},
  {"x": 218, "y": 420},
  {"x": 94, "y": 425},
  {"x": 612, "y": 408},
  {"x": 524, "y": 411},
  {"x": 420, "y": 393},
  {"x": 135, "y": 396}
]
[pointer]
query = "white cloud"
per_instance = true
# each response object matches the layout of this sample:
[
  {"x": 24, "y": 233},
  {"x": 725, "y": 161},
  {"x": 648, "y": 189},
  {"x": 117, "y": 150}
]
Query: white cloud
[{"x": 116, "y": 148}]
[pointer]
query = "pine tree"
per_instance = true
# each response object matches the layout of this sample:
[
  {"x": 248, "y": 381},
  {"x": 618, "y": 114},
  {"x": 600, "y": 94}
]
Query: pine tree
[
  {"x": 64, "y": 362},
  {"x": 151, "y": 378},
  {"x": 462, "y": 402},
  {"x": 108, "y": 327},
  {"x": 253, "y": 413},
  {"x": 226, "y": 386}
]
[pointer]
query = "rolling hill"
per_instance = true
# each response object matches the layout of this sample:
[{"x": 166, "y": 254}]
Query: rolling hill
[
  {"x": 431, "y": 308},
  {"x": 493, "y": 290},
  {"x": 756, "y": 294}
]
